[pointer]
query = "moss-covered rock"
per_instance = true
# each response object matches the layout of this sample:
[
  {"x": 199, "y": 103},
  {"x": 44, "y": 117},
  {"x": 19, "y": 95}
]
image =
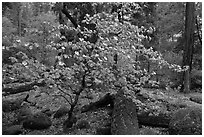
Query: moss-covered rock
[
  {"x": 38, "y": 121},
  {"x": 186, "y": 121}
]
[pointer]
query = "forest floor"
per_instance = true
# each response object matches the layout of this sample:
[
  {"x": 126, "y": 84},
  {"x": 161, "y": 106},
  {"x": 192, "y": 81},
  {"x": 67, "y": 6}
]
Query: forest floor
[{"x": 97, "y": 118}]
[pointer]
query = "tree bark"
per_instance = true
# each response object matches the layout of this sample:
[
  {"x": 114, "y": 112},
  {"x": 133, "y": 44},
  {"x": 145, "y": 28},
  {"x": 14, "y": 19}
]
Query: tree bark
[{"x": 189, "y": 41}]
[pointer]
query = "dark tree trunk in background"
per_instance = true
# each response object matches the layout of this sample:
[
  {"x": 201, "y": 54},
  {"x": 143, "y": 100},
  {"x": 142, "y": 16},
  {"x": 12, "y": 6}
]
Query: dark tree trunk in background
[
  {"x": 18, "y": 14},
  {"x": 189, "y": 41}
]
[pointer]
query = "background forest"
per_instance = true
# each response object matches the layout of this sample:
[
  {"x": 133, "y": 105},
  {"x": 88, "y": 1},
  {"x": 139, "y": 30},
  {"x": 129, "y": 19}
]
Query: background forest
[{"x": 69, "y": 64}]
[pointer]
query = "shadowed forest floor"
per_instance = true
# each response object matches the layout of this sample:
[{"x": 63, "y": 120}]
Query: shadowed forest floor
[{"x": 97, "y": 118}]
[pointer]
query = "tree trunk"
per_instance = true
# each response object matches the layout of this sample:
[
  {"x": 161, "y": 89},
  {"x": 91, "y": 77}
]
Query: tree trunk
[
  {"x": 161, "y": 120},
  {"x": 189, "y": 41},
  {"x": 103, "y": 102},
  {"x": 19, "y": 19}
]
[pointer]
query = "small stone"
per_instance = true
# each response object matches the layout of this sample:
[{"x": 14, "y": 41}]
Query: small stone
[{"x": 83, "y": 124}]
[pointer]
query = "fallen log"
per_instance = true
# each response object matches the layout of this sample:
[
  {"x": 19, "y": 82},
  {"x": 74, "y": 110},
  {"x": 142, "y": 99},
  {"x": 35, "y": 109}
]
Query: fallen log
[
  {"x": 160, "y": 120},
  {"x": 144, "y": 117},
  {"x": 15, "y": 88},
  {"x": 103, "y": 102}
]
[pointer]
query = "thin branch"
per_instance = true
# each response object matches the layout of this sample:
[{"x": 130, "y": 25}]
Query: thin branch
[
  {"x": 70, "y": 103},
  {"x": 64, "y": 10},
  {"x": 65, "y": 93},
  {"x": 72, "y": 89}
]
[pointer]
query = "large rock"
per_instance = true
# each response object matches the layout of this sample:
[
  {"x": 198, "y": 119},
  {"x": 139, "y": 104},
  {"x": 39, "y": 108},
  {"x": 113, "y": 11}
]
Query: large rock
[
  {"x": 186, "y": 121},
  {"x": 14, "y": 102},
  {"x": 11, "y": 105},
  {"x": 13, "y": 130},
  {"x": 38, "y": 121},
  {"x": 63, "y": 110},
  {"x": 124, "y": 117},
  {"x": 23, "y": 114}
]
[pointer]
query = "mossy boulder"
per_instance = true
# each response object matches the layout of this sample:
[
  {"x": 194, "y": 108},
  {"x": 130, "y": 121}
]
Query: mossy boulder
[
  {"x": 23, "y": 114},
  {"x": 11, "y": 105},
  {"x": 186, "y": 121},
  {"x": 38, "y": 121}
]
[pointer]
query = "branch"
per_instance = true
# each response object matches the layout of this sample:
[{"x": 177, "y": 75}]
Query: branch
[
  {"x": 65, "y": 93},
  {"x": 70, "y": 103},
  {"x": 74, "y": 91},
  {"x": 64, "y": 10}
]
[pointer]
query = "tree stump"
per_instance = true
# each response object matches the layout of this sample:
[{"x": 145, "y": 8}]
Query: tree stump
[{"x": 124, "y": 117}]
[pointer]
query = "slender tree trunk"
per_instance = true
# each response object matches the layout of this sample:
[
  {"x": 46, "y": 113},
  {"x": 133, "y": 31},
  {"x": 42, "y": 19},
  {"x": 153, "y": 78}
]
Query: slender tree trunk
[
  {"x": 189, "y": 41},
  {"x": 19, "y": 20}
]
